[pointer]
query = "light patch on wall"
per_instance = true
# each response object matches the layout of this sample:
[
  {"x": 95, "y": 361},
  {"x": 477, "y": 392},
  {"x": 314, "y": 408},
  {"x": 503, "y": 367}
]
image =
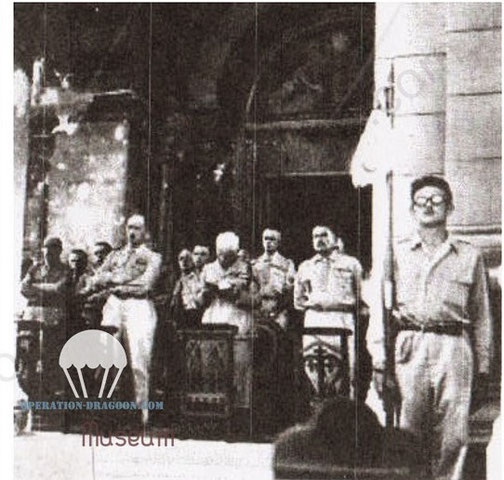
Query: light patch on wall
[
  {"x": 21, "y": 93},
  {"x": 121, "y": 133}
]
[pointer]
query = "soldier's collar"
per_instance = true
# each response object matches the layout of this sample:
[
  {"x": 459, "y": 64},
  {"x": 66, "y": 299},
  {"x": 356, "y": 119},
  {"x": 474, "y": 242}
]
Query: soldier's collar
[
  {"x": 272, "y": 258},
  {"x": 132, "y": 248},
  {"x": 416, "y": 242},
  {"x": 319, "y": 257}
]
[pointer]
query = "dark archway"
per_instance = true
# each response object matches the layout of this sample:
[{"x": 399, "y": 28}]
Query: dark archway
[{"x": 295, "y": 93}]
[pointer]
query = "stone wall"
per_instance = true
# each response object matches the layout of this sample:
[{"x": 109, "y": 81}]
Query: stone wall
[
  {"x": 473, "y": 120},
  {"x": 446, "y": 61}
]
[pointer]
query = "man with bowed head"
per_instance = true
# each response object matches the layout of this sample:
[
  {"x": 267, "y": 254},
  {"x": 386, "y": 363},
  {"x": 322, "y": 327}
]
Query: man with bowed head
[{"x": 226, "y": 285}]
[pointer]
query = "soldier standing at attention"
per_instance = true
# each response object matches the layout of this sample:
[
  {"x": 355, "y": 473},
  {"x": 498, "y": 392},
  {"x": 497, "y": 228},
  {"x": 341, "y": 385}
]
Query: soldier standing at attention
[
  {"x": 130, "y": 275},
  {"x": 93, "y": 301},
  {"x": 185, "y": 306},
  {"x": 46, "y": 286},
  {"x": 327, "y": 289},
  {"x": 444, "y": 331},
  {"x": 201, "y": 256},
  {"x": 79, "y": 275},
  {"x": 275, "y": 275}
]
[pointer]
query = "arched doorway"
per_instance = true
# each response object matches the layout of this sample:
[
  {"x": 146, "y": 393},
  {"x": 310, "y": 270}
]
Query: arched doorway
[{"x": 309, "y": 96}]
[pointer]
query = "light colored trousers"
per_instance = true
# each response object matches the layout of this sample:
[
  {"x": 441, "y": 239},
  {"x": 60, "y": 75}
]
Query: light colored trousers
[
  {"x": 135, "y": 320},
  {"x": 434, "y": 374}
]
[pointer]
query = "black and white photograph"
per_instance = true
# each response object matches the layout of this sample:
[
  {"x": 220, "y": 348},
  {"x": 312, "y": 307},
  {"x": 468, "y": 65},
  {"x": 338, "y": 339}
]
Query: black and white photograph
[{"x": 256, "y": 241}]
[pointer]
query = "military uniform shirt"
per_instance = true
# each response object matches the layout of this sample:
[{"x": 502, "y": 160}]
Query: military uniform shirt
[
  {"x": 451, "y": 286},
  {"x": 139, "y": 267}
]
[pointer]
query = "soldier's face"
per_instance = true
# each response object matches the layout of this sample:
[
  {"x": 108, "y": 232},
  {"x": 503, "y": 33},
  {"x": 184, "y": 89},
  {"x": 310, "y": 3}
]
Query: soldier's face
[
  {"x": 99, "y": 255},
  {"x": 136, "y": 233},
  {"x": 200, "y": 257},
  {"x": 51, "y": 255},
  {"x": 73, "y": 261},
  {"x": 430, "y": 207},
  {"x": 270, "y": 243},
  {"x": 185, "y": 261},
  {"x": 77, "y": 262},
  {"x": 321, "y": 240}
]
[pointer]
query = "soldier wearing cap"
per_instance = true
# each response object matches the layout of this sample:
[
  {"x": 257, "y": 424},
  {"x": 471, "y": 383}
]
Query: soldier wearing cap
[
  {"x": 327, "y": 289},
  {"x": 444, "y": 331},
  {"x": 129, "y": 274},
  {"x": 45, "y": 285},
  {"x": 275, "y": 276}
]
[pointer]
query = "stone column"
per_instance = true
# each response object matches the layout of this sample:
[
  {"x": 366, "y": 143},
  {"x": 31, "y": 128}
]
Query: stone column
[
  {"x": 21, "y": 155},
  {"x": 410, "y": 38},
  {"x": 473, "y": 122}
]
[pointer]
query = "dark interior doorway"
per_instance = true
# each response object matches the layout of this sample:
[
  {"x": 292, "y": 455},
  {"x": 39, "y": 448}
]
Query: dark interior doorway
[{"x": 295, "y": 204}]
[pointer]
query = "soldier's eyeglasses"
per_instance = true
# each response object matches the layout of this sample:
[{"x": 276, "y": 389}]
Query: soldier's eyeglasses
[{"x": 434, "y": 200}]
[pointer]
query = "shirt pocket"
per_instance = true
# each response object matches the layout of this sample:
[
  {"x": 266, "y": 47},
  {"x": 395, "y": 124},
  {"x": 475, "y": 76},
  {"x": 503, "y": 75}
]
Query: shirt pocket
[
  {"x": 342, "y": 281},
  {"x": 456, "y": 296}
]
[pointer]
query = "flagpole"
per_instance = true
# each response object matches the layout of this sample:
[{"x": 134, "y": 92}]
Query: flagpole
[
  {"x": 388, "y": 305},
  {"x": 388, "y": 273}
]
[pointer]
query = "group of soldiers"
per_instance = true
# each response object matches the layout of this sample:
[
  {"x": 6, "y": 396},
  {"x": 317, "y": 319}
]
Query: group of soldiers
[
  {"x": 442, "y": 313},
  {"x": 237, "y": 291}
]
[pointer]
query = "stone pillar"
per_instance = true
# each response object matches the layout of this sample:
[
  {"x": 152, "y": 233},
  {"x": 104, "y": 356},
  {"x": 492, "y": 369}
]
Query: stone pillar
[
  {"x": 21, "y": 155},
  {"x": 473, "y": 122},
  {"x": 410, "y": 38}
]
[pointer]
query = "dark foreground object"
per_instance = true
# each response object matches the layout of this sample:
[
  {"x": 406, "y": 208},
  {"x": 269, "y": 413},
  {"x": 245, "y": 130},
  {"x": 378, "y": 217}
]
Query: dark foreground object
[{"x": 345, "y": 440}]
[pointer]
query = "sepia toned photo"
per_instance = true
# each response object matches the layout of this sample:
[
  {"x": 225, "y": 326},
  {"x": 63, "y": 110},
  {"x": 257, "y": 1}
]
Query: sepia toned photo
[{"x": 257, "y": 241}]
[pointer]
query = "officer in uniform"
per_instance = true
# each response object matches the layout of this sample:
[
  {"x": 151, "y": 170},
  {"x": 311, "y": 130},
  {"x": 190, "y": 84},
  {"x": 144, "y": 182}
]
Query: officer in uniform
[
  {"x": 444, "y": 331},
  {"x": 129, "y": 275},
  {"x": 185, "y": 304},
  {"x": 201, "y": 256},
  {"x": 79, "y": 275},
  {"x": 275, "y": 276},
  {"x": 46, "y": 285},
  {"x": 327, "y": 289},
  {"x": 93, "y": 300}
]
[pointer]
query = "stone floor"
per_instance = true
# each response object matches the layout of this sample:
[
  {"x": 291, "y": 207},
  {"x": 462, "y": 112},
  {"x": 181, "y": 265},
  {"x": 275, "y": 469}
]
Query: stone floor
[{"x": 55, "y": 456}]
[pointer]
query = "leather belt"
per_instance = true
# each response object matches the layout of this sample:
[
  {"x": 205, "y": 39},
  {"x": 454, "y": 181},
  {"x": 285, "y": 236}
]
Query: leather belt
[
  {"x": 127, "y": 296},
  {"x": 455, "y": 329}
]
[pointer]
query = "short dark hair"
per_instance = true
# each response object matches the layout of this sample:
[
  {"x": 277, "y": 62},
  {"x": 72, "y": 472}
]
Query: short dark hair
[
  {"x": 53, "y": 242},
  {"x": 80, "y": 252},
  {"x": 105, "y": 245},
  {"x": 432, "y": 181}
]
